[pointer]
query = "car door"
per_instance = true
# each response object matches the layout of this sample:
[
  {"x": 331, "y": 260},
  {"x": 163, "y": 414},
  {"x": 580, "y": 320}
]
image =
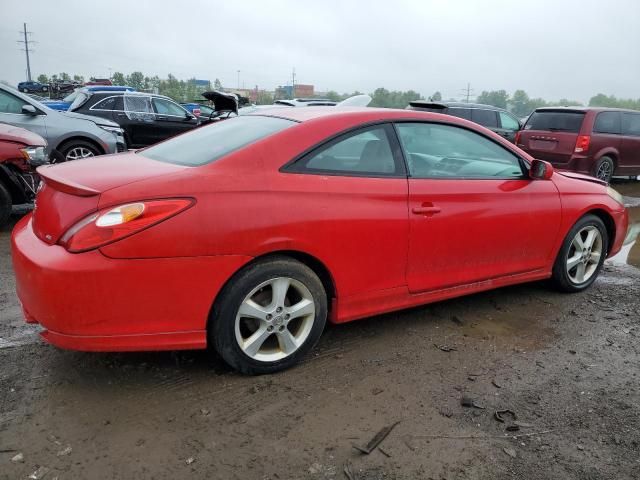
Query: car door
[
  {"x": 171, "y": 119},
  {"x": 138, "y": 120},
  {"x": 11, "y": 113},
  {"x": 474, "y": 212},
  {"x": 354, "y": 192},
  {"x": 630, "y": 145},
  {"x": 508, "y": 126}
]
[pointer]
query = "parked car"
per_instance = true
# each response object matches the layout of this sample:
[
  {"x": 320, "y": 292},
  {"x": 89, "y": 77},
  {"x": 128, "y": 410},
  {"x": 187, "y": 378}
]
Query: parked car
[
  {"x": 250, "y": 233},
  {"x": 33, "y": 87},
  {"x": 69, "y": 136},
  {"x": 496, "y": 119},
  {"x": 602, "y": 142},
  {"x": 99, "y": 81},
  {"x": 64, "y": 104},
  {"x": 21, "y": 151},
  {"x": 145, "y": 118}
]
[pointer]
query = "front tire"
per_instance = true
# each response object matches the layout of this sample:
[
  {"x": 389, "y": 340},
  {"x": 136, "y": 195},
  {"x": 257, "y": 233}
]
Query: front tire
[
  {"x": 604, "y": 169},
  {"x": 77, "y": 150},
  {"x": 5, "y": 205},
  {"x": 582, "y": 254},
  {"x": 269, "y": 316}
]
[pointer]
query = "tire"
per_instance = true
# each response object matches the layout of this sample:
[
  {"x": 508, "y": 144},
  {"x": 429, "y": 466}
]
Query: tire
[
  {"x": 230, "y": 332},
  {"x": 77, "y": 150},
  {"x": 568, "y": 279},
  {"x": 44, "y": 89},
  {"x": 5, "y": 206},
  {"x": 604, "y": 169}
]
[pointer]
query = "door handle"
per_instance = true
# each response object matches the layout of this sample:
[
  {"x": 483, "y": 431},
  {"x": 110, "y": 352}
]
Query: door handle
[
  {"x": 426, "y": 210},
  {"x": 161, "y": 117}
]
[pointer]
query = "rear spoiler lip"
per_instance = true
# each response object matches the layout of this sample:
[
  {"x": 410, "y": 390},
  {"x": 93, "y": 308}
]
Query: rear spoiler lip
[{"x": 63, "y": 184}]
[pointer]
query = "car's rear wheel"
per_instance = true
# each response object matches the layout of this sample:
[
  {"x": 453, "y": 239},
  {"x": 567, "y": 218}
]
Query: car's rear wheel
[
  {"x": 77, "y": 150},
  {"x": 604, "y": 169},
  {"x": 268, "y": 316},
  {"x": 582, "y": 254},
  {"x": 5, "y": 205}
]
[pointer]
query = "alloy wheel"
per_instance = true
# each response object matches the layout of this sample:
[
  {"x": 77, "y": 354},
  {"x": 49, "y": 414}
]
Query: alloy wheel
[
  {"x": 77, "y": 153},
  {"x": 584, "y": 254},
  {"x": 275, "y": 319},
  {"x": 604, "y": 171}
]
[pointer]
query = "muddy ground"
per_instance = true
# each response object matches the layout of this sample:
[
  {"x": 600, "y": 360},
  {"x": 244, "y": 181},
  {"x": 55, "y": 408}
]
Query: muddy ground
[{"x": 567, "y": 365}]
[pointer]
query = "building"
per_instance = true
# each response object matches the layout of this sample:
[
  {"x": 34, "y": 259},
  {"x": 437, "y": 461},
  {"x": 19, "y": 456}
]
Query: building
[{"x": 303, "y": 91}]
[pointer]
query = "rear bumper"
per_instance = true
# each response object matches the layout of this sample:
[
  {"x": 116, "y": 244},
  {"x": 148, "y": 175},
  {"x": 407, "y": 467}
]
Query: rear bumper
[{"x": 90, "y": 302}]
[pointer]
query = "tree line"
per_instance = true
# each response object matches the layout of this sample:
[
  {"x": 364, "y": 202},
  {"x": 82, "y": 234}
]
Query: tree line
[{"x": 519, "y": 103}]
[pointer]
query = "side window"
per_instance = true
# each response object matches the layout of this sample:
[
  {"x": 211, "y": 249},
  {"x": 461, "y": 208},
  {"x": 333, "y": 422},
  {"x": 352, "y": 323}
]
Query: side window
[
  {"x": 631, "y": 124},
  {"x": 443, "y": 151},
  {"x": 460, "y": 112},
  {"x": 109, "y": 103},
  {"x": 138, "y": 108},
  {"x": 10, "y": 104},
  {"x": 508, "y": 122},
  {"x": 607, "y": 122},
  {"x": 165, "y": 107},
  {"x": 486, "y": 118},
  {"x": 359, "y": 153}
]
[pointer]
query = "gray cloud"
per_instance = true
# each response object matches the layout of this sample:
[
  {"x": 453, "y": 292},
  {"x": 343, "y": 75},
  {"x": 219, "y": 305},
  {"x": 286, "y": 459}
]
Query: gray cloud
[{"x": 553, "y": 49}]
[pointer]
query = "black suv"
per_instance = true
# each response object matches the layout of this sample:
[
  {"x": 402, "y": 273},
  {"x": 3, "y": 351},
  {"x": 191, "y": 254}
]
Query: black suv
[
  {"x": 494, "y": 118},
  {"x": 145, "y": 118}
]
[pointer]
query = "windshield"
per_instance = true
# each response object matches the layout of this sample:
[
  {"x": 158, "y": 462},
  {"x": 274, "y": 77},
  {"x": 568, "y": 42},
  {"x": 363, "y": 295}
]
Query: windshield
[
  {"x": 555, "y": 121},
  {"x": 71, "y": 97},
  {"x": 207, "y": 144}
]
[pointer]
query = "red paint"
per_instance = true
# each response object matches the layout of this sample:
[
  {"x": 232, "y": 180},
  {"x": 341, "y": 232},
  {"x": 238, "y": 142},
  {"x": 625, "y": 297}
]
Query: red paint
[{"x": 387, "y": 243}]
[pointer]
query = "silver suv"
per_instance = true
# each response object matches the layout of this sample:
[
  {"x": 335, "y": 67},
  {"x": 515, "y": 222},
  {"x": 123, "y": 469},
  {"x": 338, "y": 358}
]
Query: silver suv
[{"x": 71, "y": 136}]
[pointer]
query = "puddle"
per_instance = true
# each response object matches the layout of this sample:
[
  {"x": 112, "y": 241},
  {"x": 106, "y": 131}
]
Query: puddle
[{"x": 630, "y": 253}]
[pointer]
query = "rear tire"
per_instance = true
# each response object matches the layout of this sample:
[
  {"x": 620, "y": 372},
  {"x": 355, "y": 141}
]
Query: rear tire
[
  {"x": 5, "y": 206},
  {"x": 77, "y": 150},
  {"x": 268, "y": 316},
  {"x": 583, "y": 252},
  {"x": 604, "y": 169}
]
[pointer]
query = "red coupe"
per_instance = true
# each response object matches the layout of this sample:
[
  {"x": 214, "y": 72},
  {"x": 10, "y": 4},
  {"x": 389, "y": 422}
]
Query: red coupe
[{"x": 248, "y": 234}]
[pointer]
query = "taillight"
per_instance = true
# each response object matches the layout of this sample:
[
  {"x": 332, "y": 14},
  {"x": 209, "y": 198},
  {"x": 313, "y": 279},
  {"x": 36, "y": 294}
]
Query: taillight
[
  {"x": 115, "y": 223},
  {"x": 517, "y": 139},
  {"x": 582, "y": 144}
]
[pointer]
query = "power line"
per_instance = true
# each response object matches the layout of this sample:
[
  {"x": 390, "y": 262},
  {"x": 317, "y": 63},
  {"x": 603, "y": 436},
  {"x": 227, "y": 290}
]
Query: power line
[
  {"x": 26, "y": 42},
  {"x": 467, "y": 92}
]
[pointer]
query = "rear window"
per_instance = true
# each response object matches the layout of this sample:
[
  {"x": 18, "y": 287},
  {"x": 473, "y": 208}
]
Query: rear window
[
  {"x": 555, "y": 121},
  {"x": 460, "y": 112},
  {"x": 486, "y": 118},
  {"x": 207, "y": 144}
]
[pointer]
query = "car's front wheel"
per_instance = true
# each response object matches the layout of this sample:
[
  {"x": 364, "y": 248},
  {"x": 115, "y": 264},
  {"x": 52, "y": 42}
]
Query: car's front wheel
[
  {"x": 268, "y": 316},
  {"x": 77, "y": 150},
  {"x": 582, "y": 254}
]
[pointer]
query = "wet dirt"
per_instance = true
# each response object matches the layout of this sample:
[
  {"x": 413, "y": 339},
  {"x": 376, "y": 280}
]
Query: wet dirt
[{"x": 567, "y": 365}]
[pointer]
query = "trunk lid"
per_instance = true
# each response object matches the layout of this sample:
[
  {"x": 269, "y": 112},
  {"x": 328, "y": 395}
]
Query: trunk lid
[
  {"x": 71, "y": 191},
  {"x": 551, "y": 135}
]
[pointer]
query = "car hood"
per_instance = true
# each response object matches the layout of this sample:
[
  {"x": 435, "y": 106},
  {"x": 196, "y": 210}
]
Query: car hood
[
  {"x": 580, "y": 176},
  {"x": 96, "y": 120},
  {"x": 9, "y": 133},
  {"x": 222, "y": 101}
]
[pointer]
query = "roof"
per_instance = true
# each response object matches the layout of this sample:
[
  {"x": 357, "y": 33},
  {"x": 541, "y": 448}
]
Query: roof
[
  {"x": 430, "y": 104},
  {"x": 584, "y": 109}
]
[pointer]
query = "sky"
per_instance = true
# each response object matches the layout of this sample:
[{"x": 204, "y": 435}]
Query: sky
[{"x": 550, "y": 48}]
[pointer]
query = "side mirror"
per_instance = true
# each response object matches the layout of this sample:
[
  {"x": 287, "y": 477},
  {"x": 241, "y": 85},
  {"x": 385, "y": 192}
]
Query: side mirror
[
  {"x": 29, "y": 109},
  {"x": 540, "y": 170}
]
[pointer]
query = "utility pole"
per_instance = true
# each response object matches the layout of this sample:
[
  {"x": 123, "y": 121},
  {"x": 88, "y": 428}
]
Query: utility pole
[
  {"x": 293, "y": 83},
  {"x": 467, "y": 92},
  {"x": 26, "y": 43},
  {"x": 238, "y": 79}
]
